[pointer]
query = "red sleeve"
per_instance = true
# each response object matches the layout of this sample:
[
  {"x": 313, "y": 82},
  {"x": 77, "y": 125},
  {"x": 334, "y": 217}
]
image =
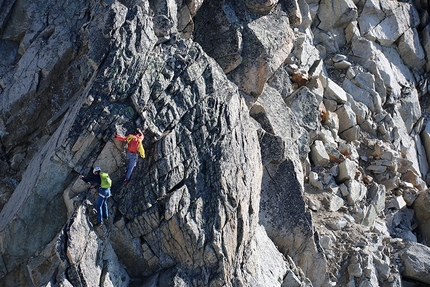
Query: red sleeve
[{"x": 121, "y": 138}]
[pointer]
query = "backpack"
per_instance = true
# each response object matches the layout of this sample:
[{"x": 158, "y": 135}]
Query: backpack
[
  {"x": 136, "y": 140},
  {"x": 106, "y": 182}
]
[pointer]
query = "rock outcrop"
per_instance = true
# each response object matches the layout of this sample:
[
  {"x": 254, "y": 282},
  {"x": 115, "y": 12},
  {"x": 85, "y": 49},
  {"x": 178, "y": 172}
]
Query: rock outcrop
[{"x": 287, "y": 142}]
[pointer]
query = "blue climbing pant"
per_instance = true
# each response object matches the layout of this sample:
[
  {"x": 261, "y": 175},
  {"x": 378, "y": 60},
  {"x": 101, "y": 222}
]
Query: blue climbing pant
[
  {"x": 132, "y": 160},
  {"x": 102, "y": 208}
]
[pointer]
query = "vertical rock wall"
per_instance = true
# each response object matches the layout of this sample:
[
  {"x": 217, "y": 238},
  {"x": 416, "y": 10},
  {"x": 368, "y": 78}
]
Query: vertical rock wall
[{"x": 286, "y": 142}]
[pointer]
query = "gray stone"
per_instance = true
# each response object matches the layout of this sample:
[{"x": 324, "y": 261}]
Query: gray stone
[
  {"x": 331, "y": 105},
  {"x": 377, "y": 197},
  {"x": 261, "y": 6},
  {"x": 355, "y": 270},
  {"x": 376, "y": 168},
  {"x": 347, "y": 170},
  {"x": 410, "y": 49},
  {"x": 356, "y": 191},
  {"x": 264, "y": 53},
  {"x": 396, "y": 203},
  {"x": 370, "y": 216},
  {"x": 327, "y": 137},
  {"x": 406, "y": 235},
  {"x": 347, "y": 118},
  {"x": 305, "y": 51},
  {"x": 421, "y": 155},
  {"x": 422, "y": 211},
  {"x": 416, "y": 259},
  {"x": 332, "y": 121},
  {"x": 282, "y": 234},
  {"x": 387, "y": 21},
  {"x": 352, "y": 32},
  {"x": 425, "y": 138},
  {"x": 380, "y": 227},
  {"x": 314, "y": 181},
  {"x": 264, "y": 264},
  {"x": 425, "y": 34},
  {"x": 272, "y": 148},
  {"x": 226, "y": 50},
  {"x": 337, "y": 223},
  {"x": 326, "y": 242},
  {"x": 410, "y": 195},
  {"x": 334, "y": 92},
  {"x": 336, "y": 202},
  {"x": 281, "y": 82},
  {"x": 350, "y": 134},
  {"x": 342, "y": 65},
  {"x": 385, "y": 79},
  {"x": 291, "y": 280},
  {"x": 337, "y": 14},
  {"x": 361, "y": 86},
  {"x": 279, "y": 120},
  {"x": 318, "y": 154},
  {"x": 304, "y": 104}
]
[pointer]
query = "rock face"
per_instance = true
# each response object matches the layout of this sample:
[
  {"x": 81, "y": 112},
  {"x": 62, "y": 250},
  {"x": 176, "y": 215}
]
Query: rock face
[{"x": 286, "y": 142}]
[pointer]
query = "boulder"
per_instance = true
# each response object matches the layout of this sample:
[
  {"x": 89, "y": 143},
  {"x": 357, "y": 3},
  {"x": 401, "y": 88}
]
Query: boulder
[
  {"x": 422, "y": 211},
  {"x": 318, "y": 154},
  {"x": 336, "y": 14},
  {"x": 385, "y": 21},
  {"x": 386, "y": 79},
  {"x": 263, "y": 52},
  {"x": 296, "y": 235},
  {"x": 334, "y": 154},
  {"x": 304, "y": 50},
  {"x": 337, "y": 223},
  {"x": 314, "y": 180},
  {"x": 416, "y": 259},
  {"x": 284, "y": 125},
  {"x": 347, "y": 118},
  {"x": 272, "y": 148},
  {"x": 354, "y": 267},
  {"x": 361, "y": 86},
  {"x": 304, "y": 104},
  {"x": 347, "y": 171},
  {"x": 350, "y": 134},
  {"x": 377, "y": 197},
  {"x": 264, "y": 261},
  {"x": 426, "y": 44},
  {"x": 336, "y": 202},
  {"x": 334, "y": 92},
  {"x": 211, "y": 21},
  {"x": 410, "y": 49},
  {"x": 396, "y": 202},
  {"x": 356, "y": 191},
  {"x": 261, "y": 6},
  {"x": 331, "y": 120},
  {"x": 425, "y": 138},
  {"x": 282, "y": 82},
  {"x": 370, "y": 216}
]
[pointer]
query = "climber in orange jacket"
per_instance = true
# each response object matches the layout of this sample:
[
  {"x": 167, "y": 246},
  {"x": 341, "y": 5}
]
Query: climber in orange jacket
[{"x": 135, "y": 146}]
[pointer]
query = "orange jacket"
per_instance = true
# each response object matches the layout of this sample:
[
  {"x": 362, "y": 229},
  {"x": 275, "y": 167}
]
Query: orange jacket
[{"x": 134, "y": 143}]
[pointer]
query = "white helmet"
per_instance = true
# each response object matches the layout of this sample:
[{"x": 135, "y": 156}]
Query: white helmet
[{"x": 96, "y": 169}]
